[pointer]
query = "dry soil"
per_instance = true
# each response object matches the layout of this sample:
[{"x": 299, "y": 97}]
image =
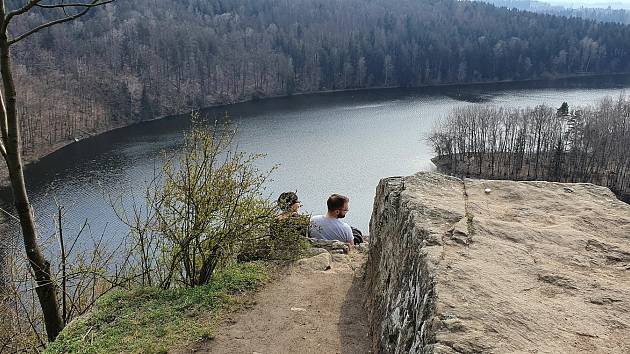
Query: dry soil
[{"x": 306, "y": 311}]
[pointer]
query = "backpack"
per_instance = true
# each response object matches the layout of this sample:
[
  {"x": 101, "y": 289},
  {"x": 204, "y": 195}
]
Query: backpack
[{"x": 358, "y": 236}]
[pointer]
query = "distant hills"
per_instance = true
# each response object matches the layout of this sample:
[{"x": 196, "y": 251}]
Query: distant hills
[
  {"x": 616, "y": 13},
  {"x": 624, "y": 4}
]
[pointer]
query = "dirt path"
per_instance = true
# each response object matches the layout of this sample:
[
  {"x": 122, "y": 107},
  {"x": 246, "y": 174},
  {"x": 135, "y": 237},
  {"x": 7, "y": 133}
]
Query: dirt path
[{"x": 308, "y": 311}]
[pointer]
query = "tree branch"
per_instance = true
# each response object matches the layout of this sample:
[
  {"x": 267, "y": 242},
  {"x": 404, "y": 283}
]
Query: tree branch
[
  {"x": 54, "y": 6},
  {"x": 3, "y": 150},
  {"x": 18, "y": 12},
  {"x": 86, "y": 6},
  {"x": 4, "y": 130}
]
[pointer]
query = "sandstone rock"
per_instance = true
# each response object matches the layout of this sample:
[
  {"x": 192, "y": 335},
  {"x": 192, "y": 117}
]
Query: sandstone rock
[
  {"x": 459, "y": 233},
  {"x": 557, "y": 280},
  {"x": 530, "y": 267},
  {"x": 340, "y": 258},
  {"x": 316, "y": 250},
  {"x": 318, "y": 262},
  {"x": 332, "y": 246},
  {"x": 604, "y": 300},
  {"x": 362, "y": 247}
]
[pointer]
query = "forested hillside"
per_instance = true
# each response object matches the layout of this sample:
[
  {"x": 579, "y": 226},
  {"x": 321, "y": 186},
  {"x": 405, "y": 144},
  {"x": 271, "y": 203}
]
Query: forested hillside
[{"x": 135, "y": 60}]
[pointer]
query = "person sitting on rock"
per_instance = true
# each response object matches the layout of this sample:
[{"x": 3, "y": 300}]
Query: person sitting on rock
[
  {"x": 289, "y": 205},
  {"x": 286, "y": 236},
  {"x": 329, "y": 227},
  {"x": 289, "y": 217}
]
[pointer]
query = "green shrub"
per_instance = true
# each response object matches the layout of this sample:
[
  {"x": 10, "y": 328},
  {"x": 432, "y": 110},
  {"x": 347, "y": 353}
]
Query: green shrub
[
  {"x": 153, "y": 320},
  {"x": 285, "y": 240},
  {"x": 207, "y": 200}
]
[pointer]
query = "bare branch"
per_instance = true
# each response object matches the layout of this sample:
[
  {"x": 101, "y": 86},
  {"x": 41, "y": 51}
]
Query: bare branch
[
  {"x": 18, "y": 12},
  {"x": 4, "y": 126},
  {"x": 3, "y": 150},
  {"x": 54, "y": 6},
  {"x": 87, "y": 8}
]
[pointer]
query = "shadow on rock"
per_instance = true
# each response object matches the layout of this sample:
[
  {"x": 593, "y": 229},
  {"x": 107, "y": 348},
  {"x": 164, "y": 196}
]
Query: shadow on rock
[{"x": 353, "y": 323}]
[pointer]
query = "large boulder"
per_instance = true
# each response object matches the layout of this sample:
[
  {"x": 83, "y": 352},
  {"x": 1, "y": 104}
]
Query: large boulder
[{"x": 479, "y": 266}]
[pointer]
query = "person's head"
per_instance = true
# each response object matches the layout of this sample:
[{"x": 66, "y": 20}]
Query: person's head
[
  {"x": 337, "y": 205},
  {"x": 289, "y": 202}
]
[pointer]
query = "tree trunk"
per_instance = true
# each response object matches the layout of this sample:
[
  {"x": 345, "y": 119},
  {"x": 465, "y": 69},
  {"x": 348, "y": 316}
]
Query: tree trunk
[{"x": 41, "y": 267}]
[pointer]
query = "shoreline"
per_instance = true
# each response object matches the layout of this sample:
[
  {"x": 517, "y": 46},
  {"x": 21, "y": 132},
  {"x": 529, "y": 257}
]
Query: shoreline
[{"x": 34, "y": 157}]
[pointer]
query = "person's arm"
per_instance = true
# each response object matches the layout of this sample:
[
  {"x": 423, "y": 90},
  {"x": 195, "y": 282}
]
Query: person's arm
[{"x": 349, "y": 236}]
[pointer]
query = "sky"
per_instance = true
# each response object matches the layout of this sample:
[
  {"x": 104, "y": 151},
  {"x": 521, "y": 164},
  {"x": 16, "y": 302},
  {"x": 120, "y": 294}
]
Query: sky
[{"x": 591, "y": 3}]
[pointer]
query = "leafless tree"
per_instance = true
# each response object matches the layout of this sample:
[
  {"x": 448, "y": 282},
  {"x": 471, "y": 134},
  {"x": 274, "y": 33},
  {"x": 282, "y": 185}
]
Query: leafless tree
[
  {"x": 587, "y": 144},
  {"x": 10, "y": 144},
  {"x": 83, "y": 275}
]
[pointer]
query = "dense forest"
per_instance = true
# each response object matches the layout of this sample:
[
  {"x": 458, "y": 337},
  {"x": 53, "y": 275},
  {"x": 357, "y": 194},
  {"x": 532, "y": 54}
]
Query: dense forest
[
  {"x": 590, "y": 13},
  {"x": 136, "y": 60},
  {"x": 588, "y": 144}
]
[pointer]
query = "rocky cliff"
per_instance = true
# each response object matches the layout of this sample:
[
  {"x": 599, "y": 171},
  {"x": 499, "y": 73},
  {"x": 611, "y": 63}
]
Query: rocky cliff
[{"x": 480, "y": 266}]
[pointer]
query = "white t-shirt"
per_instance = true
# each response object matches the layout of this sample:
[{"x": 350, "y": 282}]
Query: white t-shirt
[{"x": 325, "y": 228}]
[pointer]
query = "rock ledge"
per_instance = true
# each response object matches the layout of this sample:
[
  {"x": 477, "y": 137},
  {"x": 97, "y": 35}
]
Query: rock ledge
[{"x": 524, "y": 267}]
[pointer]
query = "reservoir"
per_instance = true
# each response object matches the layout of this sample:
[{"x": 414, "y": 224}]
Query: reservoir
[{"x": 342, "y": 142}]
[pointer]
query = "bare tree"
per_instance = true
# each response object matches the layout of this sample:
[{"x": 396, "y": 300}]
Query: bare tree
[
  {"x": 10, "y": 145},
  {"x": 588, "y": 144}
]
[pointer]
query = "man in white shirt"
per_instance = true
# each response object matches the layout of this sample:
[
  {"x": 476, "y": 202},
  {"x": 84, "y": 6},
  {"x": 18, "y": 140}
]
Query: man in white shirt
[{"x": 329, "y": 227}]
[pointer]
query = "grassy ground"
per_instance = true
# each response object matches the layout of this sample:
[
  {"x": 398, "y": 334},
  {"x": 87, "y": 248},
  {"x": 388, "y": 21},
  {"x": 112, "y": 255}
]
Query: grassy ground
[{"x": 149, "y": 320}]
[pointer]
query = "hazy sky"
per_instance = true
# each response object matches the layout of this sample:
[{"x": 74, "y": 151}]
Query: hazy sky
[{"x": 593, "y": 3}]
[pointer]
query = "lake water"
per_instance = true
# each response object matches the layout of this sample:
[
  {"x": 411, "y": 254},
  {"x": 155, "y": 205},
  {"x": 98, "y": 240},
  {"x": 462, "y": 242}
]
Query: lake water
[{"x": 323, "y": 143}]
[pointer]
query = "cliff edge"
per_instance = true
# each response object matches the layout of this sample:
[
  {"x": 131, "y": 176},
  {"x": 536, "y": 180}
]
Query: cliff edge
[{"x": 481, "y": 266}]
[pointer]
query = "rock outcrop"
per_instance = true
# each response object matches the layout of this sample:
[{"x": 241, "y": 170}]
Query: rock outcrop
[
  {"x": 332, "y": 246},
  {"x": 480, "y": 266}
]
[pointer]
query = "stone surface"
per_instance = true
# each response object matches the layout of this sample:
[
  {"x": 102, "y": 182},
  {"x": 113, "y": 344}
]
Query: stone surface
[
  {"x": 340, "y": 258},
  {"x": 319, "y": 262},
  {"x": 362, "y": 247},
  {"x": 332, "y": 246},
  {"x": 313, "y": 251},
  {"x": 534, "y": 267}
]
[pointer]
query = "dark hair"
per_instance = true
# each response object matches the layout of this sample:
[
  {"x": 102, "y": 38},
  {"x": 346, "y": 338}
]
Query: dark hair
[
  {"x": 286, "y": 199},
  {"x": 336, "y": 201}
]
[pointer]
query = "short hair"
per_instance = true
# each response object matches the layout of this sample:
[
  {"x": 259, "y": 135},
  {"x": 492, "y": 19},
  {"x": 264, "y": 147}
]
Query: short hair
[{"x": 336, "y": 201}]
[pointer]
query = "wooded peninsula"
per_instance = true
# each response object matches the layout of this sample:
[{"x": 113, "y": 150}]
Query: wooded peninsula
[{"x": 584, "y": 144}]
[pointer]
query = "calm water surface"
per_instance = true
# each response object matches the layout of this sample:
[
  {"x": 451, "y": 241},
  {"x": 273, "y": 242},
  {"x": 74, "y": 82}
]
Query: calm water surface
[{"x": 325, "y": 143}]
